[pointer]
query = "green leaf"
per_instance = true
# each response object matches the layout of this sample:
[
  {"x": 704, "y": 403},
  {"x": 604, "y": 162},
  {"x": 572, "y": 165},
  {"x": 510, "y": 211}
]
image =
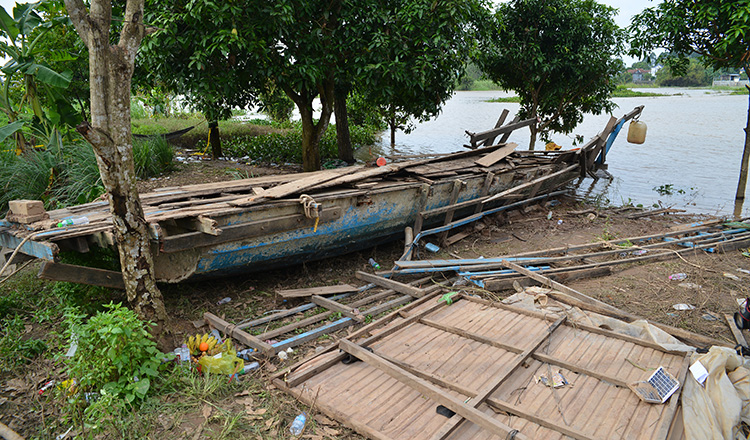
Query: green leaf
[
  {"x": 8, "y": 25},
  {"x": 49, "y": 76},
  {"x": 141, "y": 387},
  {"x": 10, "y": 129}
]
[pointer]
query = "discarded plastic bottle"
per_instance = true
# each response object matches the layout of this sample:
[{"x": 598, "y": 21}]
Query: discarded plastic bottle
[
  {"x": 678, "y": 276},
  {"x": 249, "y": 367},
  {"x": 298, "y": 424},
  {"x": 183, "y": 353},
  {"x": 245, "y": 354},
  {"x": 374, "y": 264},
  {"x": 73, "y": 221},
  {"x": 224, "y": 301}
]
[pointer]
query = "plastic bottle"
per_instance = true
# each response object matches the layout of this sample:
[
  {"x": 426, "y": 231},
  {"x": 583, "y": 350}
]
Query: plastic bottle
[
  {"x": 73, "y": 221},
  {"x": 678, "y": 276},
  {"x": 374, "y": 263},
  {"x": 245, "y": 354},
  {"x": 249, "y": 367},
  {"x": 184, "y": 353},
  {"x": 298, "y": 425}
]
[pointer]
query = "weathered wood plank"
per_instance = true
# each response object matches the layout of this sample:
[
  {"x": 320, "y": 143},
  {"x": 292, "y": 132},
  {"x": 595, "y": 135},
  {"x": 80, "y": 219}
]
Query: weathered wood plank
[
  {"x": 238, "y": 334},
  {"x": 391, "y": 284},
  {"x": 497, "y": 155},
  {"x": 80, "y": 274},
  {"x": 310, "y": 291},
  {"x": 295, "y": 186},
  {"x": 736, "y": 332},
  {"x": 429, "y": 390},
  {"x": 338, "y": 307}
]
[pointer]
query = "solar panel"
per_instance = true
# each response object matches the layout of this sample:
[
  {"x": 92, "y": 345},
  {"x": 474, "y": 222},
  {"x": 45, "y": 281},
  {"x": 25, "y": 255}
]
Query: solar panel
[{"x": 657, "y": 388}]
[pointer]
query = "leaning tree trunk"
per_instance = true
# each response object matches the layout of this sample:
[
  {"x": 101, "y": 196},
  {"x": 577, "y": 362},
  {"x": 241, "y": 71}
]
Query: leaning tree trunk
[
  {"x": 343, "y": 135},
  {"x": 739, "y": 198},
  {"x": 214, "y": 139},
  {"x": 110, "y": 72}
]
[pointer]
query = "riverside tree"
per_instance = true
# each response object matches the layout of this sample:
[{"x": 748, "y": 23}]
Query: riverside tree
[
  {"x": 714, "y": 29},
  {"x": 109, "y": 132},
  {"x": 559, "y": 56}
]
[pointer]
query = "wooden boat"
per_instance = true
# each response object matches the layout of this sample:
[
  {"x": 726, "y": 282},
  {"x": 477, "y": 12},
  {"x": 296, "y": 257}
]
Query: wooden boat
[{"x": 226, "y": 228}]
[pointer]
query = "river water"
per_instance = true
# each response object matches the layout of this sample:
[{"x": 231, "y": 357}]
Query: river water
[{"x": 693, "y": 146}]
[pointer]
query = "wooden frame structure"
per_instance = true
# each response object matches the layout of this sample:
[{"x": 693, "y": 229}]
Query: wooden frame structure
[{"x": 482, "y": 361}]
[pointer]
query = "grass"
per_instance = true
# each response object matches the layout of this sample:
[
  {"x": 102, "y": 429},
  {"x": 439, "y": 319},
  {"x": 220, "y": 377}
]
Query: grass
[
  {"x": 625, "y": 92},
  {"x": 196, "y": 138}
]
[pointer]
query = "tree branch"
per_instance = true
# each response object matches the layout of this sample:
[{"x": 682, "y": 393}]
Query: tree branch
[{"x": 81, "y": 20}]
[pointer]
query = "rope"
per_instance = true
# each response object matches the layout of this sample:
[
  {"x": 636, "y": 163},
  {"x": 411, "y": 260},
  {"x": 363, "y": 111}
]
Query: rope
[
  {"x": 8, "y": 261},
  {"x": 311, "y": 209}
]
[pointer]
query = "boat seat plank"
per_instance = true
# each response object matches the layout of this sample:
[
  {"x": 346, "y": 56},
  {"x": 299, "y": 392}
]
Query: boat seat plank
[
  {"x": 497, "y": 155},
  {"x": 310, "y": 291}
]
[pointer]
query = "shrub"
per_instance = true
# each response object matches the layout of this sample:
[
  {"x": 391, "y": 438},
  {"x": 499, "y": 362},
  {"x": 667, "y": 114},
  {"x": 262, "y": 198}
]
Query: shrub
[
  {"x": 152, "y": 157},
  {"x": 116, "y": 355},
  {"x": 287, "y": 146}
]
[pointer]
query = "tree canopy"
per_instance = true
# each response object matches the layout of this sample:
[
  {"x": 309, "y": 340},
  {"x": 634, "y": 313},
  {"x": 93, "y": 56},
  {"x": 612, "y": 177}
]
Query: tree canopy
[
  {"x": 717, "y": 30},
  {"x": 559, "y": 56}
]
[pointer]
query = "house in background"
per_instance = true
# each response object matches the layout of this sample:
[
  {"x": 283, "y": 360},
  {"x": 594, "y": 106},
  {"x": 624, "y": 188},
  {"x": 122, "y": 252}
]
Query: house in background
[
  {"x": 640, "y": 75},
  {"x": 730, "y": 79}
]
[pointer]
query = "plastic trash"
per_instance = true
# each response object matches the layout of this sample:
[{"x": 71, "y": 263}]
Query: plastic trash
[
  {"x": 73, "y": 221},
  {"x": 690, "y": 286},
  {"x": 549, "y": 215},
  {"x": 683, "y": 306},
  {"x": 249, "y": 367},
  {"x": 559, "y": 222},
  {"x": 182, "y": 353},
  {"x": 224, "y": 301},
  {"x": 215, "y": 333},
  {"x": 298, "y": 425},
  {"x": 678, "y": 276},
  {"x": 731, "y": 276},
  {"x": 640, "y": 252},
  {"x": 380, "y": 162},
  {"x": 245, "y": 354},
  {"x": 374, "y": 263},
  {"x": 431, "y": 247},
  {"x": 46, "y": 386},
  {"x": 283, "y": 355},
  {"x": 745, "y": 271}
]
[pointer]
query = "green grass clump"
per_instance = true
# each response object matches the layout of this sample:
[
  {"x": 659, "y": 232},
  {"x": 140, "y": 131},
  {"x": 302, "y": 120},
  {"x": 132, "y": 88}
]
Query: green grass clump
[
  {"x": 624, "y": 92},
  {"x": 152, "y": 157}
]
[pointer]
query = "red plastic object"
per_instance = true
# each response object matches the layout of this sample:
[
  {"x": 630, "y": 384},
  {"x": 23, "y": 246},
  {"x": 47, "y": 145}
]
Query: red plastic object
[{"x": 380, "y": 162}]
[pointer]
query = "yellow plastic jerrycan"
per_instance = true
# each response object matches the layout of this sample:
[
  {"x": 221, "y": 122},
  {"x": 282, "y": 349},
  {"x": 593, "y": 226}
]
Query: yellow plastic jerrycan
[{"x": 637, "y": 132}]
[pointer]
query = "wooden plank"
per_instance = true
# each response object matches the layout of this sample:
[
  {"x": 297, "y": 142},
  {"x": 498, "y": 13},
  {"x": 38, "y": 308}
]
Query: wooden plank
[
  {"x": 293, "y": 379},
  {"x": 295, "y": 186},
  {"x": 674, "y": 400},
  {"x": 488, "y": 180},
  {"x": 498, "y": 285},
  {"x": 583, "y": 301},
  {"x": 241, "y": 231},
  {"x": 205, "y": 225},
  {"x": 504, "y": 137},
  {"x": 469, "y": 335},
  {"x": 501, "y": 406},
  {"x": 475, "y": 138},
  {"x": 238, "y": 334},
  {"x": 450, "y": 426},
  {"x": 312, "y": 334},
  {"x": 497, "y": 155},
  {"x": 338, "y": 307},
  {"x": 457, "y": 185},
  {"x": 738, "y": 336},
  {"x": 391, "y": 284},
  {"x": 498, "y": 124},
  {"x": 80, "y": 274},
  {"x": 310, "y": 291},
  {"x": 429, "y": 390},
  {"x": 523, "y": 186}
]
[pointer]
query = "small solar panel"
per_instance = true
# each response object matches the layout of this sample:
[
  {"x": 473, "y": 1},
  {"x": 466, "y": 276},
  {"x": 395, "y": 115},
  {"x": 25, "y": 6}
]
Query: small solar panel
[{"x": 657, "y": 388}]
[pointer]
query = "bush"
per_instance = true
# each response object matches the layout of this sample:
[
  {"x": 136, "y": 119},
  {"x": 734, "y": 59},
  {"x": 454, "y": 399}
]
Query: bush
[
  {"x": 152, "y": 156},
  {"x": 287, "y": 146},
  {"x": 116, "y": 355}
]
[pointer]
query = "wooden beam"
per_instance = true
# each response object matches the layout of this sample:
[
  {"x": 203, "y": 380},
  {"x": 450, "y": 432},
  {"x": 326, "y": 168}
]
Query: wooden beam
[
  {"x": 338, "y": 307},
  {"x": 518, "y": 188},
  {"x": 429, "y": 390},
  {"x": 457, "y": 185},
  {"x": 736, "y": 332},
  {"x": 391, "y": 284},
  {"x": 498, "y": 285},
  {"x": 501, "y": 406},
  {"x": 585, "y": 302},
  {"x": 488, "y": 180},
  {"x": 475, "y": 138},
  {"x": 500, "y": 121},
  {"x": 450, "y": 426},
  {"x": 238, "y": 334},
  {"x": 310, "y": 291},
  {"x": 80, "y": 274}
]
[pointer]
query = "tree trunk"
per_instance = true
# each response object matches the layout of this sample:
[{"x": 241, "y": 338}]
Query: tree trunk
[
  {"x": 214, "y": 138},
  {"x": 312, "y": 132},
  {"x": 110, "y": 72},
  {"x": 739, "y": 198},
  {"x": 392, "y": 125},
  {"x": 343, "y": 136}
]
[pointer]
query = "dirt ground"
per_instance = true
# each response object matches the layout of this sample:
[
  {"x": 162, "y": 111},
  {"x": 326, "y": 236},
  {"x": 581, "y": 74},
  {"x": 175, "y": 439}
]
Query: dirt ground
[{"x": 643, "y": 289}]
